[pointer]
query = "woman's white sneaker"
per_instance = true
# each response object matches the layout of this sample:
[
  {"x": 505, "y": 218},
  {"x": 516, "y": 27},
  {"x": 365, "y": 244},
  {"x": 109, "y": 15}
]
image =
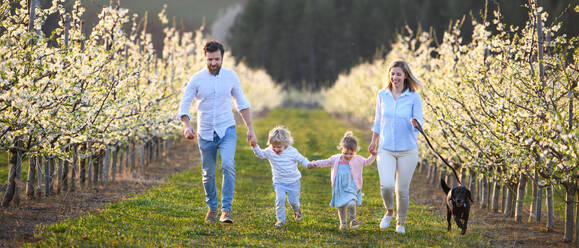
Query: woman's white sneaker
[
  {"x": 385, "y": 222},
  {"x": 400, "y": 229}
]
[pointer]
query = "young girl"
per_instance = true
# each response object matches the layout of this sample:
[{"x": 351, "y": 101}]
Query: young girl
[
  {"x": 346, "y": 179},
  {"x": 286, "y": 176}
]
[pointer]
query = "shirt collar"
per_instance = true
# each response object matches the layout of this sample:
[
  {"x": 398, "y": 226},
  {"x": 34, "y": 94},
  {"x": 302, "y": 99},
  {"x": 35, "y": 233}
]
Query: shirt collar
[{"x": 406, "y": 92}]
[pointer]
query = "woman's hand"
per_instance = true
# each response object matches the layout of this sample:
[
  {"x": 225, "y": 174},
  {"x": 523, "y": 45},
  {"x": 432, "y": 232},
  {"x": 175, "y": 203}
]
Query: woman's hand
[{"x": 415, "y": 123}]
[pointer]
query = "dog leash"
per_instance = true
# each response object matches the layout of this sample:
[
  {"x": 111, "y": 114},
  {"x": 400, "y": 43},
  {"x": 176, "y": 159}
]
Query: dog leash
[{"x": 431, "y": 147}]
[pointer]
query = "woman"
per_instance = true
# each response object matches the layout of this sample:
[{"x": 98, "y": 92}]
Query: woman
[{"x": 398, "y": 112}]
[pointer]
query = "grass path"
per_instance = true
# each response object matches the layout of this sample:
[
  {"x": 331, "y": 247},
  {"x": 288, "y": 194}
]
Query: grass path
[{"x": 171, "y": 215}]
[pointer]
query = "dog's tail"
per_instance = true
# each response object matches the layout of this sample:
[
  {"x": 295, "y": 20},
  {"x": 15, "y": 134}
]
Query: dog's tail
[{"x": 445, "y": 187}]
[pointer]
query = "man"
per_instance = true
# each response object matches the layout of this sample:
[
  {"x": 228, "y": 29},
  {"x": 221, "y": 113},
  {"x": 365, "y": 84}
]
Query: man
[{"x": 212, "y": 88}]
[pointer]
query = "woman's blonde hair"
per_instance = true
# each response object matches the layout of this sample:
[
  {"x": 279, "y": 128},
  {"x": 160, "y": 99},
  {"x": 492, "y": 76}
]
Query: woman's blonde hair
[
  {"x": 410, "y": 82},
  {"x": 349, "y": 142},
  {"x": 280, "y": 135}
]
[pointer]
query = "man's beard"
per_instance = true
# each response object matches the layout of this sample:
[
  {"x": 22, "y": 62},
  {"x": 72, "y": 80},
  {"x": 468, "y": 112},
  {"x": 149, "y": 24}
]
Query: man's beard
[{"x": 215, "y": 71}]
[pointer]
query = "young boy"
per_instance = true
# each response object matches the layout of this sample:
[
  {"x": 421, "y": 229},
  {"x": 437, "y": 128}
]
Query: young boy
[{"x": 283, "y": 159}]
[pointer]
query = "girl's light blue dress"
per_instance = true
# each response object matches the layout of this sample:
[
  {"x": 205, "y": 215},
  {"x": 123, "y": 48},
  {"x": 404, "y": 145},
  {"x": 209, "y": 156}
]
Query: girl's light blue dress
[{"x": 344, "y": 188}]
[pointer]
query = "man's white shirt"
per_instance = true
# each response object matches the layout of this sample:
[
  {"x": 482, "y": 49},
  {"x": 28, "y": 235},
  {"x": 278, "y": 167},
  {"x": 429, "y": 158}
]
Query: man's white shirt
[{"x": 214, "y": 104}]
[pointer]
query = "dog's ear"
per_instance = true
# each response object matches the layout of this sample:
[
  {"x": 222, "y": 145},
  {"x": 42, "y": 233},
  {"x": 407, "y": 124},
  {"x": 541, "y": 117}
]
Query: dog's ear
[{"x": 469, "y": 197}]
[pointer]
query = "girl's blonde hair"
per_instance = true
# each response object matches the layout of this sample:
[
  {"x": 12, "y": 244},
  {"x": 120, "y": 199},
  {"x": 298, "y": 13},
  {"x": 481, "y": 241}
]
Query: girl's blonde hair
[
  {"x": 280, "y": 135},
  {"x": 410, "y": 82},
  {"x": 349, "y": 142}
]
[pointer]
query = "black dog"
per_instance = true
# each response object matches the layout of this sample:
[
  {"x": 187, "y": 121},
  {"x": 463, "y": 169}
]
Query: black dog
[{"x": 457, "y": 204}]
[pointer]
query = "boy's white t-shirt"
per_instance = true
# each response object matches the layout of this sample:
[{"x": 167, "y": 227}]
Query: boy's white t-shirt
[{"x": 284, "y": 166}]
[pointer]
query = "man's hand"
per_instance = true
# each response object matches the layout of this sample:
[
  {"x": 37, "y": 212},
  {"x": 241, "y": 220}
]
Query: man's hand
[
  {"x": 189, "y": 133},
  {"x": 251, "y": 138}
]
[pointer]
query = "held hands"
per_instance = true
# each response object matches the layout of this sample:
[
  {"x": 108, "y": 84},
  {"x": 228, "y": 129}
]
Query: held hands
[
  {"x": 251, "y": 138},
  {"x": 372, "y": 147},
  {"x": 310, "y": 166}
]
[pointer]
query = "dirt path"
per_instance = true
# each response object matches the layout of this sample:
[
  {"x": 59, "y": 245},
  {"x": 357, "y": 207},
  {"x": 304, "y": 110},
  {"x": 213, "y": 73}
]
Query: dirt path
[
  {"x": 19, "y": 224},
  {"x": 503, "y": 232}
]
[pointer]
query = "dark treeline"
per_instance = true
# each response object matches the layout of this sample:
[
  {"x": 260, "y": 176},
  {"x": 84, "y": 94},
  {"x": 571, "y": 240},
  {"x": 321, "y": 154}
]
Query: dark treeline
[{"x": 305, "y": 44}]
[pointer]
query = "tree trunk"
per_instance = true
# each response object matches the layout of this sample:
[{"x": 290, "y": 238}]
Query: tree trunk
[
  {"x": 15, "y": 162},
  {"x": 450, "y": 181},
  {"x": 114, "y": 163},
  {"x": 168, "y": 149},
  {"x": 39, "y": 177},
  {"x": 496, "y": 196},
  {"x": 432, "y": 173},
  {"x": 514, "y": 200},
  {"x": 569, "y": 207},
  {"x": 106, "y": 164},
  {"x": 509, "y": 202},
  {"x": 533, "y": 207},
  {"x": 31, "y": 175},
  {"x": 97, "y": 161},
  {"x": 52, "y": 173},
  {"x": 577, "y": 213},
  {"x": 90, "y": 168},
  {"x": 122, "y": 152},
  {"x": 463, "y": 176},
  {"x": 143, "y": 155},
  {"x": 133, "y": 156},
  {"x": 428, "y": 171},
  {"x": 73, "y": 168},
  {"x": 151, "y": 150},
  {"x": 65, "y": 166},
  {"x": 59, "y": 177},
  {"x": 488, "y": 192},
  {"x": 471, "y": 184},
  {"x": 424, "y": 166},
  {"x": 550, "y": 210},
  {"x": 484, "y": 196},
  {"x": 82, "y": 165},
  {"x": 158, "y": 148},
  {"x": 520, "y": 198},
  {"x": 47, "y": 176},
  {"x": 441, "y": 175},
  {"x": 504, "y": 198},
  {"x": 539, "y": 203},
  {"x": 436, "y": 180}
]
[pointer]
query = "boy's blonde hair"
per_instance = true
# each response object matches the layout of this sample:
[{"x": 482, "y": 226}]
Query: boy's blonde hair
[
  {"x": 349, "y": 142},
  {"x": 280, "y": 135}
]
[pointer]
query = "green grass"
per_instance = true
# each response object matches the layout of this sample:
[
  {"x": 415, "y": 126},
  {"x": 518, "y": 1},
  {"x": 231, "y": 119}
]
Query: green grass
[{"x": 171, "y": 215}]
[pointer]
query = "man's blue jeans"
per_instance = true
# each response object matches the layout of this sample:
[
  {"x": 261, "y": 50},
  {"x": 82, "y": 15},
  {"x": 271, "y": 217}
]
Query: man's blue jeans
[{"x": 226, "y": 146}]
